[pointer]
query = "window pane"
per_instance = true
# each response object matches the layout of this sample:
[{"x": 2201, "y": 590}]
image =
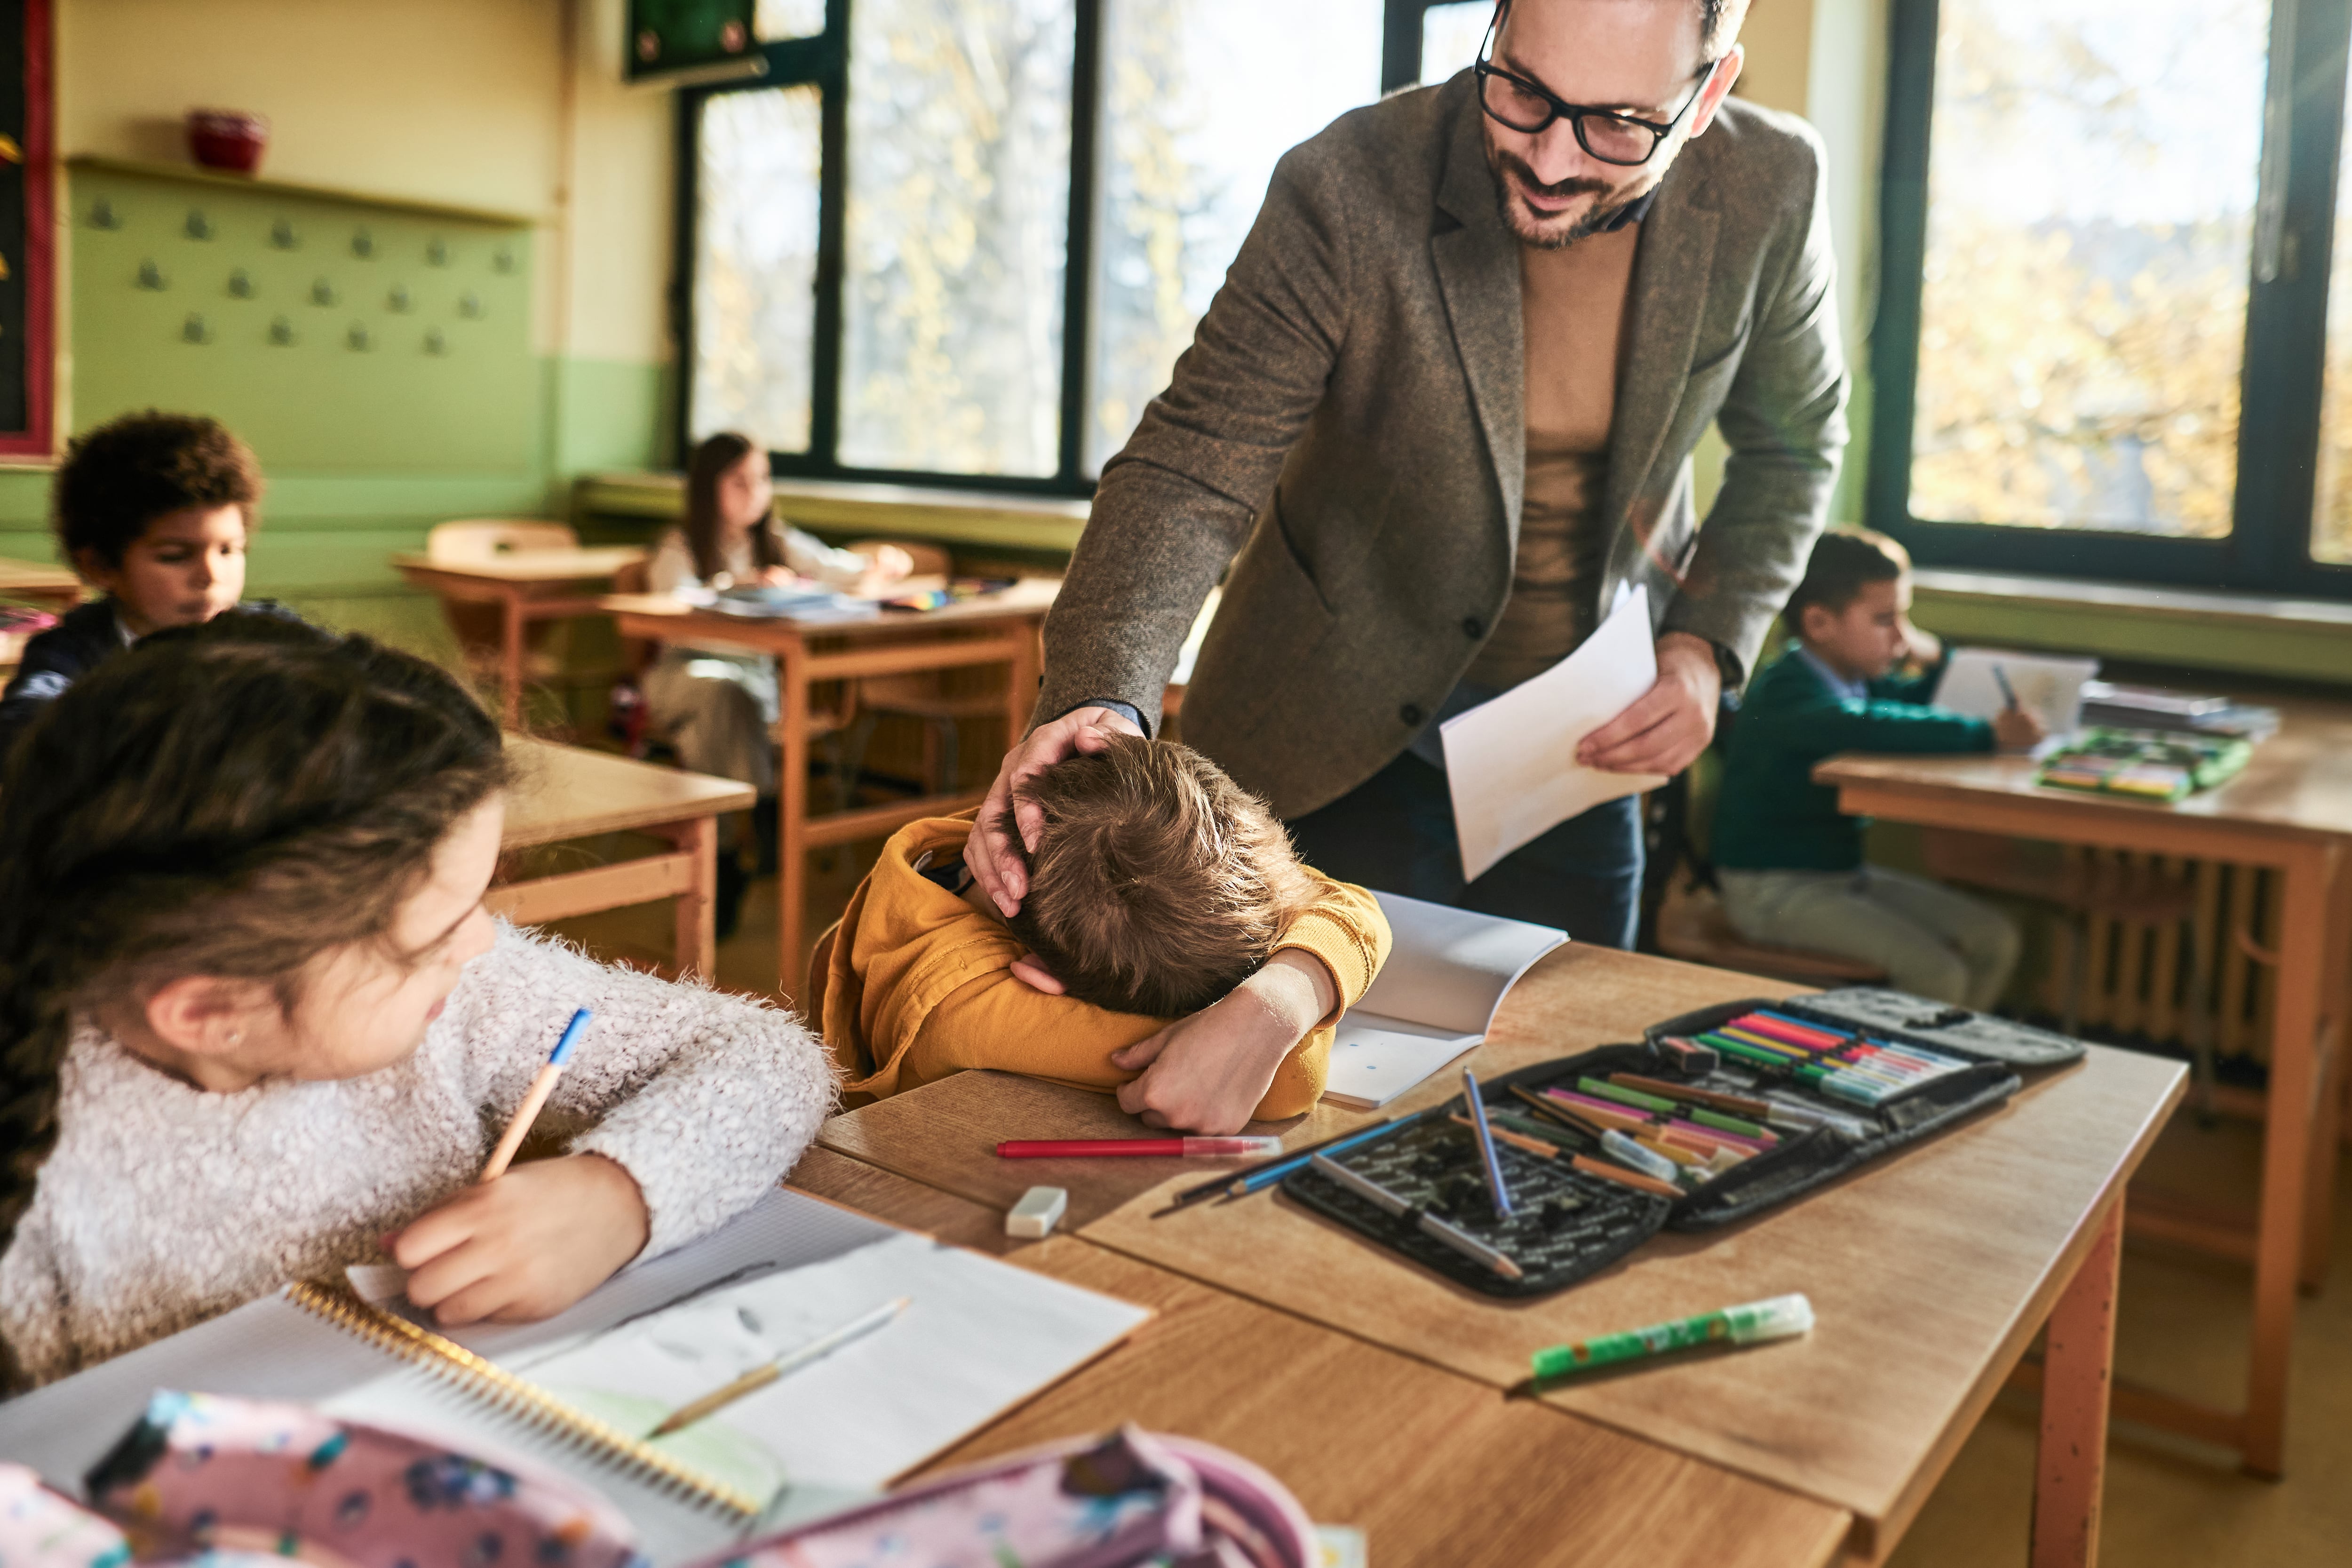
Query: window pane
[
  {"x": 958, "y": 227},
  {"x": 755, "y": 265},
  {"x": 2331, "y": 517},
  {"x": 776, "y": 20},
  {"x": 1450, "y": 36},
  {"x": 1200, "y": 98},
  {"x": 2090, "y": 191}
]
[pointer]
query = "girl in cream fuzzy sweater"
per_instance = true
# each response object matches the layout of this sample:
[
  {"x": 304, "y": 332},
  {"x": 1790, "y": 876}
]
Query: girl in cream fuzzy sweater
[{"x": 255, "y": 1024}]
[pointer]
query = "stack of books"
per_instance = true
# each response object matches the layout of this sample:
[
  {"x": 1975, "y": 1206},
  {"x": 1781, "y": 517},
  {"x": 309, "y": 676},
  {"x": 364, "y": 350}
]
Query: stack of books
[{"x": 2152, "y": 708}]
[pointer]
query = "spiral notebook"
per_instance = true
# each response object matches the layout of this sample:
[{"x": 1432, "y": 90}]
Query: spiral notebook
[{"x": 576, "y": 1393}]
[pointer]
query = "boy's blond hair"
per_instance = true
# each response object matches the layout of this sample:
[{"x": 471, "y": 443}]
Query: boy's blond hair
[{"x": 1157, "y": 884}]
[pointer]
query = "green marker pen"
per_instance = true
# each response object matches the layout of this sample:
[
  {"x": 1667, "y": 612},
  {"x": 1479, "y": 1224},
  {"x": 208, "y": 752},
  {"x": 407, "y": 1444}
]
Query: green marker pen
[{"x": 1777, "y": 1319}]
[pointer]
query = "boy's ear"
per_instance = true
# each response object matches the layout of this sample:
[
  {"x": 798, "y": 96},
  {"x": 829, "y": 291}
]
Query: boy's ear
[
  {"x": 1808, "y": 628},
  {"x": 208, "y": 1014},
  {"x": 1036, "y": 976}
]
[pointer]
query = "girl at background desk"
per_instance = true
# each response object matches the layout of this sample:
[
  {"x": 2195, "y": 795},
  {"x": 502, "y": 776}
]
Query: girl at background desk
[
  {"x": 717, "y": 706},
  {"x": 255, "y": 1025}
]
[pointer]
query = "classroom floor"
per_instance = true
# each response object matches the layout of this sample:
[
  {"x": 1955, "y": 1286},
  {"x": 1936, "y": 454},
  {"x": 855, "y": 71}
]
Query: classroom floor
[{"x": 2181, "y": 1327}]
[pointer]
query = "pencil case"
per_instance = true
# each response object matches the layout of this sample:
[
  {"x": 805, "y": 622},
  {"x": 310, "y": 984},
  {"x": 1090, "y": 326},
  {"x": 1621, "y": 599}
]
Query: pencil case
[
  {"x": 1571, "y": 1219},
  {"x": 1919, "y": 1021}
]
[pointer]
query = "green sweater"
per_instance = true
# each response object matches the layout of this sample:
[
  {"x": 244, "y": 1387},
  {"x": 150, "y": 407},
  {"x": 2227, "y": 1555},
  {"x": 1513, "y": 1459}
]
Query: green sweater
[{"x": 1770, "y": 815}]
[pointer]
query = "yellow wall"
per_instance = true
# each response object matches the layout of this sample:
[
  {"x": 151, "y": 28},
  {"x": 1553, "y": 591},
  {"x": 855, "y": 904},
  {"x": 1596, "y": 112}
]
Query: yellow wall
[{"x": 447, "y": 100}]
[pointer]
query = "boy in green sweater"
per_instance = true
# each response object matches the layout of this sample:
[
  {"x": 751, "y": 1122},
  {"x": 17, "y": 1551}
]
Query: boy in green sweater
[{"x": 1790, "y": 865}]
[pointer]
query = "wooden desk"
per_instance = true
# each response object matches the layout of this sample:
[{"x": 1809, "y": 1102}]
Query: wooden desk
[
  {"x": 2289, "y": 812},
  {"x": 38, "y": 583},
  {"x": 1931, "y": 1270},
  {"x": 564, "y": 791},
  {"x": 1431, "y": 1464},
  {"x": 527, "y": 585},
  {"x": 999, "y": 629}
]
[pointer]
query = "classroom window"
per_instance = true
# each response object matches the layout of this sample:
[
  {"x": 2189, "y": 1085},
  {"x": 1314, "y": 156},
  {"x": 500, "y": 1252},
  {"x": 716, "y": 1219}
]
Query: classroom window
[
  {"x": 963, "y": 241},
  {"x": 2106, "y": 292},
  {"x": 1183, "y": 173},
  {"x": 1450, "y": 35}
]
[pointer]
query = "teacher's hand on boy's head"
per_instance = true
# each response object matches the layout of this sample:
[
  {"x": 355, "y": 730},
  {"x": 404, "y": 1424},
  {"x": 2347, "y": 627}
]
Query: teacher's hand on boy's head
[
  {"x": 1665, "y": 729},
  {"x": 1207, "y": 1073},
  {"x": 526, "y": 1246},
  {"x": 989, "y": 851}
]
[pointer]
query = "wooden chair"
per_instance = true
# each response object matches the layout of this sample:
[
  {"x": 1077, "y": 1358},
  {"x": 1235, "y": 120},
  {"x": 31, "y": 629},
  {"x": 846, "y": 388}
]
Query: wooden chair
[{"x": 1693, "y": 926}]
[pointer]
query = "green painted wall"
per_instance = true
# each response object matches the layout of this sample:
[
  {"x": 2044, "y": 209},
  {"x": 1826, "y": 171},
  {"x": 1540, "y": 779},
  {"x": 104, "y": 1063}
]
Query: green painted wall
[{"x": 442, "y": 411}]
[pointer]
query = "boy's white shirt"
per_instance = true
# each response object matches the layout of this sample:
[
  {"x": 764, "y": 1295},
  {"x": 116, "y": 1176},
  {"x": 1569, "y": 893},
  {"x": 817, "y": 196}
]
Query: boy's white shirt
[{"x": 163, "y": 1205}]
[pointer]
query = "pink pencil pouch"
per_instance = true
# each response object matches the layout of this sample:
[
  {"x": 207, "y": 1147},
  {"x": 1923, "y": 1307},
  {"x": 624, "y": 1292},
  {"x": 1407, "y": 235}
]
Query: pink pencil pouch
[
  {"x": 1122, "y": 1502},
  {"x": 205, "y": 1472}
]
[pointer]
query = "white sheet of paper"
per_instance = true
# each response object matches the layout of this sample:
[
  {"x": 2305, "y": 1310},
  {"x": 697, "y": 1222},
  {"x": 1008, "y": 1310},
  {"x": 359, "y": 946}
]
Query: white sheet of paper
[
  {"x": 2049, "y": 688},
  {"x": 1448, "y": 970},
  {"x": 1511, "y": 763}
]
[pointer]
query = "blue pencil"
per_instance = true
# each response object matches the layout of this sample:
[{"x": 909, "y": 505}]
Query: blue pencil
[
  {"x": 1273, "y": 1170},
  {"x": 1485, "y": 1137},
  {"x": 2007, "y": 692}
]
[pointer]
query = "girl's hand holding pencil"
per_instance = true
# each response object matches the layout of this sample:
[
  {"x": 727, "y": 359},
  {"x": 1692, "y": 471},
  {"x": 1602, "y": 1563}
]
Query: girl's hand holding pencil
[{"x": 522, "y": 1245}]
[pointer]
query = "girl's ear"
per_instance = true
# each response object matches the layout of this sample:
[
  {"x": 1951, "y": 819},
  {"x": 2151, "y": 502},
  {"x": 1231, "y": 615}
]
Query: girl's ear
[
  {"x": 207, "y": 1014},
  {"x": 1036, "y": 976}
]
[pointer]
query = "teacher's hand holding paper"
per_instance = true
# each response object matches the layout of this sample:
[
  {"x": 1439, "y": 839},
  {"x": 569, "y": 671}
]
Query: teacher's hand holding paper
[
  {"x": 1670, "y": 724},
  {"x": 1515, "y": 766}
]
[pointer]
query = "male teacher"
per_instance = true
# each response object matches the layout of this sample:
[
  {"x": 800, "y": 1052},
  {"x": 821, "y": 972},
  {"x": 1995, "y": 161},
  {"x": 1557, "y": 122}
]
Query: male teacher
[{"x": 1441, "y": 411}]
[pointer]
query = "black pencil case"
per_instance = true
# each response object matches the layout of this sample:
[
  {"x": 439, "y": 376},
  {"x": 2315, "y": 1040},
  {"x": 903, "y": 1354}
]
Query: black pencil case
[
  {"x": 1911, "y": 1020},
  {"x": 1568, "y": 1224}
]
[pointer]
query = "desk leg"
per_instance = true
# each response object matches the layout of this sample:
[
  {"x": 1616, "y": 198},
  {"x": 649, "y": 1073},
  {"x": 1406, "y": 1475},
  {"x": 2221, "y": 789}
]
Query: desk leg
[
  {"x": 510, "y": 647},
  {"x": 792, "y": 817},
  {"x": 2070, "y": 1461},
  {"x": 2295, "y": 1077},
  {"x": 2319, "y": 1212},
  {"x": 698, "y": 907}
]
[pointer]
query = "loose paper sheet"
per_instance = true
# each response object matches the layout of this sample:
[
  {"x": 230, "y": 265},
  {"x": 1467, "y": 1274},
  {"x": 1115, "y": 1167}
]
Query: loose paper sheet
[
  {"x": 1447, "y": 971},
  {"x": 2049, "y": 689},
  {"x": 1511, "y": 763}
]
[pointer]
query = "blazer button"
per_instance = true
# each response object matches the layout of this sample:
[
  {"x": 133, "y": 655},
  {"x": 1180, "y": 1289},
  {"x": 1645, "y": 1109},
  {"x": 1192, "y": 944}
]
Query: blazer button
[
  {"x": 1473, "y": 627},
  {"x": 1410, "y": 712}
]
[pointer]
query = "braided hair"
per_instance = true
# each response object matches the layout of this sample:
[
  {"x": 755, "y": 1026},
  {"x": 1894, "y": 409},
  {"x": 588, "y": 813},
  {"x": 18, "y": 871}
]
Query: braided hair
[{"x": 231, "y": 799}]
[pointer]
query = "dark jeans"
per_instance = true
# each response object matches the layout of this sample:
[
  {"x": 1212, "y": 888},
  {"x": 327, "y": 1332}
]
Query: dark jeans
[{"x": 1394, "y": 833}]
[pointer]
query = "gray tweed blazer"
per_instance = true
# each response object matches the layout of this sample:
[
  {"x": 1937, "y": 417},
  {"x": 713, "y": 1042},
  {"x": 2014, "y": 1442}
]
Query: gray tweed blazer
[{"x": 1346, "y": 433}]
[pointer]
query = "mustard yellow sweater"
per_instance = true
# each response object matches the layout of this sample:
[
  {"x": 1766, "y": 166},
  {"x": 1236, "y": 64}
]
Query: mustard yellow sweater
[{"x": 914, "y": 984}]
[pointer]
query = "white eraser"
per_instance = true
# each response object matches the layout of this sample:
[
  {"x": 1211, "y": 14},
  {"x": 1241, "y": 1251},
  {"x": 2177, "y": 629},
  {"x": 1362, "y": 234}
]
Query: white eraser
[
  {"x": 377, "y": 1282},
  {"x": 1038, "y": 1212}
]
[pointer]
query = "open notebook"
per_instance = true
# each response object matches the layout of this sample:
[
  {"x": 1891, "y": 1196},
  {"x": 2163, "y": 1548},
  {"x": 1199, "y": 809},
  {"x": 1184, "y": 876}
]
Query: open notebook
[
  {"x": 1446, "y": 973},
  {"x": 576, "y": 1393}
]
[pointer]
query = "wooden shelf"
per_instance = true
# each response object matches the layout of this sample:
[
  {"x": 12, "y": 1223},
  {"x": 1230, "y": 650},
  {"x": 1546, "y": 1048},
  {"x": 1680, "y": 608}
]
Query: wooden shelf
[{"x": 195, "y": 174}]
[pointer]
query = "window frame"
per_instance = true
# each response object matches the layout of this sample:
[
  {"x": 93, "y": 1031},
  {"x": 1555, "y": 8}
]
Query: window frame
[
  {"x": 2268, "y": 550},
  {"x": 823, "y": 62}
]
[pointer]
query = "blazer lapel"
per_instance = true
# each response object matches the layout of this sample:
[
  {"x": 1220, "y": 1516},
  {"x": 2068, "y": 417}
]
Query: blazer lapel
[
  {"x": 1670, "y": 274},
  {"x": 1477, "y": 263}
]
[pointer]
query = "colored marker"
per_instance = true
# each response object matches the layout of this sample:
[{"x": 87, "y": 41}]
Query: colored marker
[
  {"x": 1623, "y": 1150},
  {"x": 1625, "y": 1178},
  {"x": 1487, "y": 1154},
  {"x": 1259, "y": 1177},
  {"x": 1371, "y": 1192},
  {"x": 1800, "y": 1026},
  {"x": 1737, "y": 1104},
  {"x": 1633, "y": 1097},
  {"x": 1096, "y": 1148},
  {"x": 518, "y": 1126},
  {"x": 1782, "y": 1317},
  {"x": 1519, "y": 1141},
  {"x": 1718, "y": 1119}
]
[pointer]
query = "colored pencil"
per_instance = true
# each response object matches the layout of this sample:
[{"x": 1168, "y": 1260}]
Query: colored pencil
[{"x": 518, "y": 1125}]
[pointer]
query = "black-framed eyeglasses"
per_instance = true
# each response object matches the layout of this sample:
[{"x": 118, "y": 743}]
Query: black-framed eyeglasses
[{"x": 1529, "y": 107}]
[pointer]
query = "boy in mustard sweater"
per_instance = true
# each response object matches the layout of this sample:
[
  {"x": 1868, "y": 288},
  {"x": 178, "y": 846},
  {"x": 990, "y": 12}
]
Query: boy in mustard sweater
[
  {"x": 1790, "y": 865},
  {"x": 1172, "y": 949}
]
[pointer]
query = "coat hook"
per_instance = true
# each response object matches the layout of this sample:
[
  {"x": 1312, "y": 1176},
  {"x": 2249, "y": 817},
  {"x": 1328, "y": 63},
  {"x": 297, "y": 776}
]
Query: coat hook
[
  {"x": 358, "y": 338},
  {"x": 398, "y": 298},
  {"x": 103, "y": 216},
  {"x": 193, "y": 330},
  {"x": 469, "y": 305},
  {"x": 240, "y": 284},
  {"x": 151, "y": 276},
  {"x": 281, "y": 331},
  {"x": 434, "y": 343},
  {"x": 282, "y": 236},
  {"x": 363, "y": 242},
  {"x": 505, "y": 260},
  {"x": 322, "y": 292},
  {"x": 436, "y": 252},
  {"x": 198, "y": 225}
]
